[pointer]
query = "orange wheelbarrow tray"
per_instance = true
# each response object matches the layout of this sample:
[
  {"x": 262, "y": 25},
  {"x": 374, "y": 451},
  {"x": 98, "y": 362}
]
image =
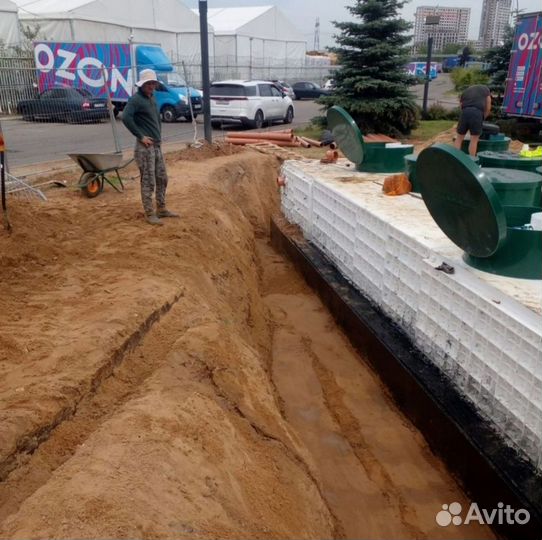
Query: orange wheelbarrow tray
[{"x": 95, "y": 169}]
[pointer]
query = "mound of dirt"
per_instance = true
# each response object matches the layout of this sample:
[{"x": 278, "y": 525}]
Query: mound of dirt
[
  {"x": 207, "y": 151},
  {"x": 183, "y": 382}
]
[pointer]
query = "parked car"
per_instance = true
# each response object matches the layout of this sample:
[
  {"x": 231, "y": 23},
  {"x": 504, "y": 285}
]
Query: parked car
[
  {"x": 253, "y": 103},
  {"x": 285, "y": 87},
  {"x": 64, "y": 105},
  {"x": 123, "y": 63},
  {"x": 309, "y": 90}
]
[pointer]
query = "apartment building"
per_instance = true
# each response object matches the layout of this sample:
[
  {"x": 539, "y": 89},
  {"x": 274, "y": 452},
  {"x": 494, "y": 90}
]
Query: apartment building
[
  {"x": 495, "y": 18},
  {"x": 453, "y": 26}
]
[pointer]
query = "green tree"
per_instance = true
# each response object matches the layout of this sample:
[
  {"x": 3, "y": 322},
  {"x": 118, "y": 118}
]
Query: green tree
[
  {"x": 465, "y": 77},
  {"x": 29, "y": 33},
  {"x": 466, "y": 53},
  {"x": 422, "y": 49},
  {"x": 372, "y": 84},
  {"x": 499, "y": 59},
  {"x": 453, "y": 48}
]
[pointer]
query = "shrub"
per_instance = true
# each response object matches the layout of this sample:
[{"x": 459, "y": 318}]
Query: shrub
[
  {"x": 438, "y": 112},
  {"x": 465, "y": 77}
]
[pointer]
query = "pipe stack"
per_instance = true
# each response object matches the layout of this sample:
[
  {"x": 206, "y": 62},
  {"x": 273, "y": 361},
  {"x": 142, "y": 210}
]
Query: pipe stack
[{"x": 285, "y": 138}]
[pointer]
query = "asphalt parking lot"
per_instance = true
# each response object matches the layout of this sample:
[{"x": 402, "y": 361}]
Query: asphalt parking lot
[{"x": 37, "y": 142}]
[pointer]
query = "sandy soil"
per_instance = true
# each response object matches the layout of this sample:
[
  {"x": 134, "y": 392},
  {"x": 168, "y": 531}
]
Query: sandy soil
[{"x": 183, "y": 382}]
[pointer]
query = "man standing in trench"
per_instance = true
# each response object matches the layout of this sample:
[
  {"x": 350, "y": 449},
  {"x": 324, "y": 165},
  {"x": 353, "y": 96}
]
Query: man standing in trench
[
  {"x": 475, "y": 107},
  {"x": 142, "y": 118}
]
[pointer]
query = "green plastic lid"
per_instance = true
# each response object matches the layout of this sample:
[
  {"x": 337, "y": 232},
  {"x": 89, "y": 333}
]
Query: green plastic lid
[
  {"x": 539, "y": 170},
  {"x": 346, "y": 133},
  {"x": 515, "y": 179},
  {"x": 461, "y": 200}
]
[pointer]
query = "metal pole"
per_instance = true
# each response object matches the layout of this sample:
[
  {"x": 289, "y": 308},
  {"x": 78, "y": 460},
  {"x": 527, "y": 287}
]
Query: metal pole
[
  {"x": 204, "y": 36},
  {"x": 7, "y": 224},
  {"x": 250, "y": 60},
  {"x": 427, "y": 74},
  {"x": 192, "y": 116},
  {"x": 112, "y": 118}
]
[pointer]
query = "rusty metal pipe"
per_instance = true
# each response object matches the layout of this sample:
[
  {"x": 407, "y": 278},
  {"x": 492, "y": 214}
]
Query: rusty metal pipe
[
  {"x": 312, "y": 142},
  {"x": 262, "y": 136}
]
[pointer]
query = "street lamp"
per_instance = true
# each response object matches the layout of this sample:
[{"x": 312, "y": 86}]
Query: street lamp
[
  {"x": 430, "y": 20},
  {"x": 205, "y": 77}
]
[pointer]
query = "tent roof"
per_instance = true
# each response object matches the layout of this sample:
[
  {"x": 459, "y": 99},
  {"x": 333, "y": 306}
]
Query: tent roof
[
  {"x": 166, "y": 15},
  {"x": 262, "y": 22},
  {"x": 233, "y": 18},
  {"x": 41, "y": 7},
  {"x": 7, "y": 5}
]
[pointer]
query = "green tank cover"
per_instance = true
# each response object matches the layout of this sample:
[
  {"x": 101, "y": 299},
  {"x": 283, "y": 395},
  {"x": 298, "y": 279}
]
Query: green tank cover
[
  {"x": 492, "y": 145},
  {"x": 509, "y": 160},
  {"x": 368, "y": 157},
  {"x": 516, "y": 188},
  {"x": 410, "y": 168},
  {"x": 465, "y": 205}
]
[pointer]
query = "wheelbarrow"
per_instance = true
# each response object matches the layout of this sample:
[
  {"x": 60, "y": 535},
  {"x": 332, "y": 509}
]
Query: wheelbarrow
[{"x": 95, "y": 169}]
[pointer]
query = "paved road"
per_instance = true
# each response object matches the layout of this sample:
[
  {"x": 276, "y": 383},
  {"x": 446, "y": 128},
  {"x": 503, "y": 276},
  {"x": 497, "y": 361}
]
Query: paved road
[
  {"x": 438, "y": 90},
  {"x": 35, "y": 142}
]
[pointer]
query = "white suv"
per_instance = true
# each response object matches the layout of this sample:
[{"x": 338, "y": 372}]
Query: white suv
[{"x": 253, "y": 103}]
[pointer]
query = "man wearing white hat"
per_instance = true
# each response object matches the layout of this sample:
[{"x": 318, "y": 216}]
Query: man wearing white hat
[{"x": 142, "y": 117}]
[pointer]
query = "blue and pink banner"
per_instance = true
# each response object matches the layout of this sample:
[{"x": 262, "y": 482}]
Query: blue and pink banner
[
  {"x": 97, "y": 67},
  {"x": 417, "y": 69},
  {"x": 523, "y": 95}
]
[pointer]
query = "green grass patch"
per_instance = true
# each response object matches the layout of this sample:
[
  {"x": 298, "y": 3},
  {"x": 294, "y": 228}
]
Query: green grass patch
[
  {"x": 311, "y": 131},
  {"x": 427, "y": 129}
]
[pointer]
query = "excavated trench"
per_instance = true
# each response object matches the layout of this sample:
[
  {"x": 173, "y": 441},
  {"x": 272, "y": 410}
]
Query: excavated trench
[{"x": 185, "y": 382}]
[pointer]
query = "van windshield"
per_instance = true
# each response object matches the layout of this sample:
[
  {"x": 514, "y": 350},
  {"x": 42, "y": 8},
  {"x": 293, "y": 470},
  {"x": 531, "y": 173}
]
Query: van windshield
[
  {"x": 172, "y": 79},
  {"x": 232, "y": 90}
]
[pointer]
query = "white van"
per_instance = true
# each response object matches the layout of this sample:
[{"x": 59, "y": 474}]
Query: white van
[{"x": 253, "y": 103}]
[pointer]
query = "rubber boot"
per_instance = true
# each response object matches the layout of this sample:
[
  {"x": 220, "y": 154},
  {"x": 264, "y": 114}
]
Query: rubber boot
[
  {"x": 153, "y": 219},
  {"x": 165, "y": 213}
]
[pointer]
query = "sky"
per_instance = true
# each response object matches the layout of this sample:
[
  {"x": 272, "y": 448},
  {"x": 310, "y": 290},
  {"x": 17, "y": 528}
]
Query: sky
[{"x": 303, "y": 13}]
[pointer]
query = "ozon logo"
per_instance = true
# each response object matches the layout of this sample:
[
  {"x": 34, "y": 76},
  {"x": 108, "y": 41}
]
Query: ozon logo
[
  {"x": 89, "y": 70},
  {"x": 451, "y": 515},
  {"x": 530, "y": 41}
]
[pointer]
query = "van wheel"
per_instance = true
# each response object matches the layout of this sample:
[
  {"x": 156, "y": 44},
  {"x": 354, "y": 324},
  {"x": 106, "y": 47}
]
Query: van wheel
[
  {"x": 216, "y": 124},
  {"x": 169, "y": 114},
  {"x": 258, "y": 120},
  {"x": 289, "y": 118},
  {"x": 189, "y": 117}
]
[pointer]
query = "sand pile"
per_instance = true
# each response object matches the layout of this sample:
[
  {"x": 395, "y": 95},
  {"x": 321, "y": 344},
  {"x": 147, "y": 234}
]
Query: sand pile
[{"x": 183, "y": 382}]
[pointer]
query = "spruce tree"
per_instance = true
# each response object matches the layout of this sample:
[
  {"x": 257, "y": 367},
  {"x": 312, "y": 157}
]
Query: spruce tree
[
  {"x": 372, "y": 83},
  {"x": 499, "y": 60}
]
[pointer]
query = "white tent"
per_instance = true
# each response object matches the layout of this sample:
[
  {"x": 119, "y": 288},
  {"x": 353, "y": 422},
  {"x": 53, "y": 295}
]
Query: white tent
[
  {"x": 9, "y": 23},
  {"x": 258, "y": 36},
  {"x": 168, "y": 23}
]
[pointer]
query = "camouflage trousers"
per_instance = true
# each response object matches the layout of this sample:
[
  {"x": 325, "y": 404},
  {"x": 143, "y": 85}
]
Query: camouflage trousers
[{"x": 153, "y": 175}]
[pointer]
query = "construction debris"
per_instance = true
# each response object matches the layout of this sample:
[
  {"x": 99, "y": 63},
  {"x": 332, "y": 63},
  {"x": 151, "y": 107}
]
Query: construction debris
[
  {"x": 274, "y": 150},
  {"x": 284, "y": 138}
]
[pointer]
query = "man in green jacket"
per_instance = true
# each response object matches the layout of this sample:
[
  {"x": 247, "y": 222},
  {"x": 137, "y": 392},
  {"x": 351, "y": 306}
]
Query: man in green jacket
[{"x": 142, "y": 118}]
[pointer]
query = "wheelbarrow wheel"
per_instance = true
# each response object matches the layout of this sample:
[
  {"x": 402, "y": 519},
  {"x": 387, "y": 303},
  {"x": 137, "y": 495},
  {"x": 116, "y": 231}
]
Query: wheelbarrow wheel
[{"x": 91, "y": 184}]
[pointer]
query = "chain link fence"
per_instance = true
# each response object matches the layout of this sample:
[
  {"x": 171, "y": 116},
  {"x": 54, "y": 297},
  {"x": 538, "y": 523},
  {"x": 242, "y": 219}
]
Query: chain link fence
[
  {"x": 19, "y": 79},
  {"x": 49, "y": 113},
  {"x": 250, "y": 68},
  {"x": 17, "y": 82}
]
